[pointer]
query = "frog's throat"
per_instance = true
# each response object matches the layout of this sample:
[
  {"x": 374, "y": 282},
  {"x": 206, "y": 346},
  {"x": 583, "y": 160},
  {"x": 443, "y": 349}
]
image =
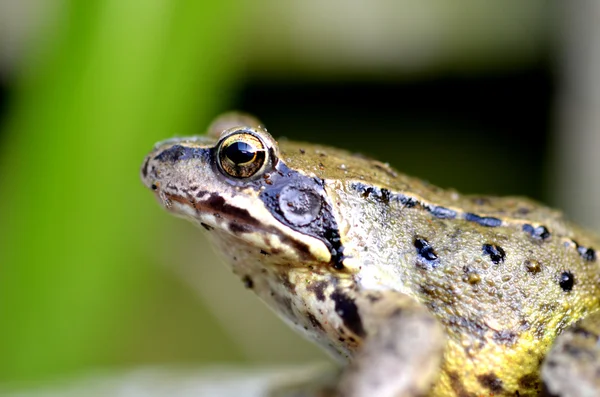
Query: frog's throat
[{"x": 262, "y": 230}]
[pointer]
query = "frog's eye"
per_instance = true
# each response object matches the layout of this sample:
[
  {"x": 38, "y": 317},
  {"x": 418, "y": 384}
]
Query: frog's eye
[{"x": 241, "y": 155}]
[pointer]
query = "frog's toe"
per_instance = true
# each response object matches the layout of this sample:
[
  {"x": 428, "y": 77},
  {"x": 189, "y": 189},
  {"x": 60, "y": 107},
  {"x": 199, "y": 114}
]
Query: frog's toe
[{"x": 572, "y": 368}]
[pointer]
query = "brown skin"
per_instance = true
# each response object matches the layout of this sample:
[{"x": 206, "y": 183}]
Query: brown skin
[{"x": 414, "y": 285}]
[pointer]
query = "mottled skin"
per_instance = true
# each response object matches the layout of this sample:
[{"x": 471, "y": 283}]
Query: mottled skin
[{"x": 424, "y": 291}]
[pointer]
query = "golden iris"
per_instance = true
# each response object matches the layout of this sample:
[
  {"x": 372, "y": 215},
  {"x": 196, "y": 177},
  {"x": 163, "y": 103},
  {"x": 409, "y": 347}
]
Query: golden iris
[{"x": 241, "y": 155}]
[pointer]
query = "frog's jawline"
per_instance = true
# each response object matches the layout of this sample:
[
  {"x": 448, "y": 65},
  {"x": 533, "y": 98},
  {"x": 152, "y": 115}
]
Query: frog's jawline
[{"x": 233, "y": 215}]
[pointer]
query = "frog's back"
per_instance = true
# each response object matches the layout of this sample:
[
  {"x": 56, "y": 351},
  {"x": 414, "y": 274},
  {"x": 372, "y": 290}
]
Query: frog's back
[
  {"x": 504, "y": 275},
  {"x": 343, "y": 165}
]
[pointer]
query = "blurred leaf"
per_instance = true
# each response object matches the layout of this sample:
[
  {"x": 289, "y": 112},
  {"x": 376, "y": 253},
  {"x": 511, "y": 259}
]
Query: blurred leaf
[{"x": 75, "y": 245}]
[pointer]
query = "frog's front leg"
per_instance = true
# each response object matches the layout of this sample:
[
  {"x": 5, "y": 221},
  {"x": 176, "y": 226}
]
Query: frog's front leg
[
  {"x": 401, "y": 353},
  {"x": 572, "y": 368}
]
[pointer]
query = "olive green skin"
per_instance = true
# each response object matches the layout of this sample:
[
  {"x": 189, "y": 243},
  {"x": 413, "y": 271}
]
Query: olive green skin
[{"x": 502, "y": 276}]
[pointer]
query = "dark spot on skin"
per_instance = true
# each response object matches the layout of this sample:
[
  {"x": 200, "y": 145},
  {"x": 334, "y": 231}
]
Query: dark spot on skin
[
  {"x": 313, "y": 320},
  {"x": 263, "y": 252},
  {"x": 338, "y": 266},
  {"x": 288, "y": 284},
  {"x": 238, "y": 228},
  {"x": 533, "y": 266},
  {"x": 441, "y": 212},
  {"x": 530, "y": 381},
  {"x": 486, "y": 221},
  {"x": 153, "y": 187},
  {"x": 495, "y": 252},
  {"x": 491, "y": 382},
  {"x": 408, "y": 202},
  {"x": 369, "y": 191},
  {"x": 179, "y": 152},
  {"x": 566, "y": 281},
  {"x": 385, "y": 196},
  {"x": 428, "y": 257},
  {"x": 587, "y": 254},
  {"x": 428, "y": 290},
  {"x": 382, "y": 195},
  {"x": 145, "y": 168},
  {"x": 248, "y": 283},
  {"x": 458, "y": 386},
  {"x": 539, "y": 233},
  {"x": 172, "y": 187},
  {"x": 207, "y": 227},
  {"x": 172, "y": 154},
  {"x": 217, "y": 203},
  {"x": 524, "y": 325},
  {"x": 348, "y": 311},
  {"x": 318, "y": 288},
  {"x": 466, "y": 326},
  {"x": 505, "y": 337},
  {"x": 193, "y": 188}
]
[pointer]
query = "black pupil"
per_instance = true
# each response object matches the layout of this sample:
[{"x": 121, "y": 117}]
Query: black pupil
[{"x": 240, "y": 152}]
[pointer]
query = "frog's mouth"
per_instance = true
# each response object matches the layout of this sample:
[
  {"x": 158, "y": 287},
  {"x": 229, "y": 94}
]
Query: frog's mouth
[{"x": 269, "y": 236}]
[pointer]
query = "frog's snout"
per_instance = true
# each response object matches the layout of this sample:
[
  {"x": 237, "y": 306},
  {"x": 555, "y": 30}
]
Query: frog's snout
[
  {"x": 151, "y": 171},
  {"x": 163, "y": 158}
]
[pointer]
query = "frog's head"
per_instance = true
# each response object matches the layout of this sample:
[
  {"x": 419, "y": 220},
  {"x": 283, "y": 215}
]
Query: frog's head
[{"x": 233, "y": 183}]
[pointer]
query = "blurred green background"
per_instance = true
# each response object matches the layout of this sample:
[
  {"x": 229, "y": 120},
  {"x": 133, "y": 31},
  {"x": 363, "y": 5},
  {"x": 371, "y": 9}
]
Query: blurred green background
[{"x": 94, "y": 275}]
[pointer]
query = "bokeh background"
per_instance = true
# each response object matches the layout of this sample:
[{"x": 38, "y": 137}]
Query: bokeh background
[{"x": 486, "y": 97}]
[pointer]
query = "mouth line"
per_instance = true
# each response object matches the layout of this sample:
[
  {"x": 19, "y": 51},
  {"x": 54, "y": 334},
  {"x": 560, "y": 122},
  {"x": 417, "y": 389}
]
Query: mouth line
[
  {"x": 239, "y": 220},
  {"x": 214, "y": 205}
]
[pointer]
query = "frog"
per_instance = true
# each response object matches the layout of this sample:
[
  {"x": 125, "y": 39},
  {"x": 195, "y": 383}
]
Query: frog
[{"x": 415, "y": 290}]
